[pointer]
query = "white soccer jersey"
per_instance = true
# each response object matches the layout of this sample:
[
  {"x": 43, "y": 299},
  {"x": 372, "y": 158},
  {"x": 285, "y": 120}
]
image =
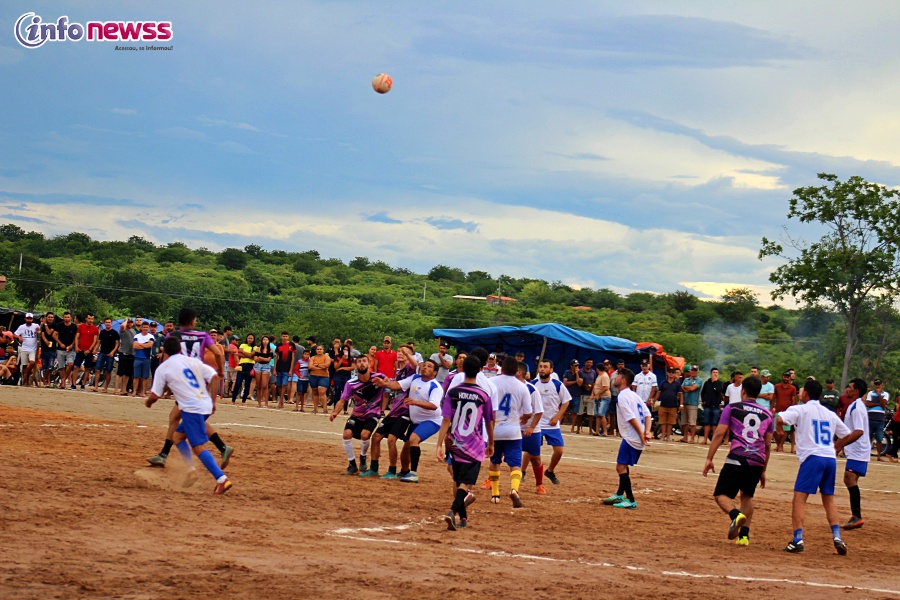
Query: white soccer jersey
[
  {"x": 553, "y": 395},
  {"x": 644, "y": 384},
  {"x": 423, "y": 391},
  {"x": 515, "y": 401},
  {"x": 536, "y": 406},
  {"x": 187, "y": 378},
  {"x": 814, "y": 427},
  {"x": 733, "y": 393},
  {"x": 858, "y": 418},
  {"x": 630, "y": 406}
]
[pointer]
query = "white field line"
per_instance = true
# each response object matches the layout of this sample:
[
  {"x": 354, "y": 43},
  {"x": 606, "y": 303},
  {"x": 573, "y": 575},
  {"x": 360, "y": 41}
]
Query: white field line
[{"x": 347, "y": 533}]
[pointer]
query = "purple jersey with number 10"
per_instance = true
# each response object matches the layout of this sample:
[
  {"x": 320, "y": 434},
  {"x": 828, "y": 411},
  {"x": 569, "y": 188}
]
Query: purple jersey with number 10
[
  {"x": 749, "y": 423},
  {"x": 468, "y": 407}
]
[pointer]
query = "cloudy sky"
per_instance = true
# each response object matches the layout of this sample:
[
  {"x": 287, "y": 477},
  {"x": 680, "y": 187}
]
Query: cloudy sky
[{"x": 636, "y": 146}]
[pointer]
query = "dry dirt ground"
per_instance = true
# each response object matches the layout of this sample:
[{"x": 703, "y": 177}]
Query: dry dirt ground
[{"x": 83, "y": 515}]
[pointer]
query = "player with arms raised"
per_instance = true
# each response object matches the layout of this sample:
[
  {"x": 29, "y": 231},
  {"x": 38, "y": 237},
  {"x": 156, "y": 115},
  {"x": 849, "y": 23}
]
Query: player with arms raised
[
  {"x": 751, "y": 427},
  {"x": 466, "y": 410},
  {"x": 368, "y": 400}
]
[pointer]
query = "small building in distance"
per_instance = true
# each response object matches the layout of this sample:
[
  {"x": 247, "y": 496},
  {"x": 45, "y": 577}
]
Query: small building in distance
[
  {"x": 470, "y": 298},
  {"x": 499, "y": 300}
]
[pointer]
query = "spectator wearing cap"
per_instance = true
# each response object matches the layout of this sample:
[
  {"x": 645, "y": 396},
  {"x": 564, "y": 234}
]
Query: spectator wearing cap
[
  {"x": 690, "y": 386},
  {"x": 600, "y": 397},
  {"x": 520, "y": 358},
  {"x": 491, "y": 368},
  {"x": 831, "y": 398},
  {"x": 27, "y": 336},
  {"x": 645, "y": 384},
  {"x": 876, "y": 405},
  {"x": 767, "y": 391},
  {"x": 386, "y": 358},
  {"x": 588, "y": 377},
  {"x": 785, "y": 397},
  {"x": 573, "y": 381},
  {"x": 671, "y": 398}
]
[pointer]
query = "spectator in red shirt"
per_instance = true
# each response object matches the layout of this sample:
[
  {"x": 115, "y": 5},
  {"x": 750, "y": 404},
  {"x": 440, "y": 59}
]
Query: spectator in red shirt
[
  {"x": 785, "y": 397},
  {"x": 386, "y": 359},
  {"x": 844, "y": 403},
  {"x": 86, "y": 343}
]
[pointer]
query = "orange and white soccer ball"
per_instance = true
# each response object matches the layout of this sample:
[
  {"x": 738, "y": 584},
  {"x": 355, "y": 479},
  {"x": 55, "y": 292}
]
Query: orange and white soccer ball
[{"x": 382, "y": 83}]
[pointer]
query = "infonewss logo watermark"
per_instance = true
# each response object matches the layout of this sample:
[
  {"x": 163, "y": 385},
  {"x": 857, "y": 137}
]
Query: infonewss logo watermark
[{"x": 32, "y": 32}]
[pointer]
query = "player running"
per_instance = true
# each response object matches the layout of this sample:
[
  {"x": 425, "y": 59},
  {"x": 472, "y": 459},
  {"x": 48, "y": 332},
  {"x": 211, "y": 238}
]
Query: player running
[
  {"x": 555, "y": 399},
  {"x": 814, "y": 428},
  {"x": 752, "y": 428},
  {"x": 368, "y": 400},
  {"x": 635, "y": 422},
  {"x": 193, "y": 345},
  {"x": 858, "y": 449},
  {"x": 182, "y": 375},
  {"x": 513, "y": 411},
  {"x": 466, "y": 410}
]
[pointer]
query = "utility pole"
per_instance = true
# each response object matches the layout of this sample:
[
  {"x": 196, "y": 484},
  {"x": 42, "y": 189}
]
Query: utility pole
[{"x": 425, "y": 287}]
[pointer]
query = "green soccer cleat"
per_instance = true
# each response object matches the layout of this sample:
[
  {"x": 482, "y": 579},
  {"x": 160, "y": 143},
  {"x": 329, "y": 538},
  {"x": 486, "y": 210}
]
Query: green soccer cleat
[
  {"x": 390, "y": 475},
  {"x": 369, "y": 473},
  {"x": 613, "y": 500},
  {"x": 626, "y": 503},
  {"x": 157, "y": 461},
  {"x": 226, "y": 456}
]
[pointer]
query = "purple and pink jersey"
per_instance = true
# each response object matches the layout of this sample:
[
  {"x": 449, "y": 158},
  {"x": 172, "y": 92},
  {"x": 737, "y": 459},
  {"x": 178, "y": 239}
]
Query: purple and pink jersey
[
  {"x": 194, "y": 343},
  {"x": 366, "y": 397},
  {"x": 468, "y": 407},
  {"x": 749, "y": 423},
  {"x": 398, "y": 407}
]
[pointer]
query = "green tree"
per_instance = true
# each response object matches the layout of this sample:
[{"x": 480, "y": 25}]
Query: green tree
[
  {"x": 857, "y": 258},
  {"x": 738, "y": 305},
  {"x": 233, "y": 259},
  {"x": 449, "y": 273}
]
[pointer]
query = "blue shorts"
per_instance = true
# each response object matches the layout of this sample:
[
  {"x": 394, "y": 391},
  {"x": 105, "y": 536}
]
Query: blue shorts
[
  {"x": 315, "y": 381},
  {"x": 262, "y": 368},
  {"x": 601, "y": 407},
  {"x": 293, "y": 379},
  {"x": 627, "y": 455},
  {"x": 816, "y": 474},
  {"x": 531, "y": 444},
  {"x": 424, "y": 430},
  {"x": 282, "y": 378},
  {"x": 857, "y": 466},
  {"x": 510, "y": 449},
  {"x": 711, "y": 415},
  {"x": 302, "y": 386},
  {"x": 876, "y": 426},
  {"x": 194, "y": 427},
  {"x": 47, "y": 359},
  {"x": 142, "y": 368},
  {"x": 552, "y": 437},
  {"x": 105, "y": 362},
  {"x": 575, "y": 405}
]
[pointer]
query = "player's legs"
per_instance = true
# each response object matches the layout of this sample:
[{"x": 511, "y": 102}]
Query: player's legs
[
  {"x": 192, "y": 431},
  {"x": 350, "y": 431},
  {"x": 555, "y": 458},
  {"x": 851, "y": 480},
  {"x": 392, "y": 451},
  {"x": 798, "y": 506}
]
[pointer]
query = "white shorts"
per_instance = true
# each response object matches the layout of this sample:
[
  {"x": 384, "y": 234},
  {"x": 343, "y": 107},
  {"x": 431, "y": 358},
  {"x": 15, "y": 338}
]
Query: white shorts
[{"x": 27, "y": 356}]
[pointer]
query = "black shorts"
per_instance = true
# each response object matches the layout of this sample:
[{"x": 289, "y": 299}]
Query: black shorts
[
  {"x": 126, "y": 365},
  {"x": 86, "y": 359},
  {"x": 465, "y": 473},
  {"x": 357, "y": 426},
  {"x": 737, "y": 478},
  {"x": 395, "y": 426}
]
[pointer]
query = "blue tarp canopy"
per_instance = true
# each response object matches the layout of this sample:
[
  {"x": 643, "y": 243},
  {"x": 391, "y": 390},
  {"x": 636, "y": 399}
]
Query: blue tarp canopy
[{"x": 562, "y": 344}]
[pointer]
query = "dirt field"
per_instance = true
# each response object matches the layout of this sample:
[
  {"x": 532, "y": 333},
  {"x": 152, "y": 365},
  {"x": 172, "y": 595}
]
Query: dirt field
[{"x": 82, "y": 515}]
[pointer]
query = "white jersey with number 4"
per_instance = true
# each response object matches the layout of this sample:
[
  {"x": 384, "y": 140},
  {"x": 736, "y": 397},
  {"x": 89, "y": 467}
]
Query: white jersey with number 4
[
  {"x": 515, "y": 401},
  {"x": 858, "y": 418},
  {"x": 814, "y": 427},
  {"x": 187, "y": 378}
]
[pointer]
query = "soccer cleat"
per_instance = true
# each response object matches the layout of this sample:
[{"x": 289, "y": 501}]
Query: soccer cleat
[
  {"x": 626, "y": 503},
  {"x": 540, "y": 490},
  {"x": 226, "y": 456},
  {"x": 410, "y": 477},
  {"x": 157, "y": 461},
  {"x": 463, "y": 523},
  {"x": 450, "y": 519},
  {"x": 352, "y": 469},
  {"x": 614, "y": 499},
  {"x": 390, "y": 475},
  {"x": 840, "y": 546},
  {"x": 470, "y": 499},
  {"x": 794, "y": 547},
  {"x": 495, "y": 499},
  {"x": 190, "y": 478},
  {"x": 369, "y": 473},
  {"x": 363, "y": 465},
  {"x": 743, "y": 541},
  {"x": 736, "y": 525},
  {"x": 854, "y": 523},
  {"x": 552, "y": 477},
  {"x": 514, "y": 496},
  {"x": 223, "y": 487},
  {"x": 486, "y": 485}
]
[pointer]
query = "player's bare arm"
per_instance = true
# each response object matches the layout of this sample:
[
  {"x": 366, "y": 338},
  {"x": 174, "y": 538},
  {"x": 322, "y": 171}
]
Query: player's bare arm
[
  {"x": 442, "y": 436},
  {"x": 562, "y": 411},
  {"x": 718, "y": 436}
]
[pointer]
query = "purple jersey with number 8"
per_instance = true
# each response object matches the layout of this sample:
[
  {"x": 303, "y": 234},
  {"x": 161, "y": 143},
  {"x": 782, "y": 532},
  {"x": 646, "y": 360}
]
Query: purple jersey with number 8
[
  {"x": 468, "y": 407},
  {"x": 749, "y": 423}
]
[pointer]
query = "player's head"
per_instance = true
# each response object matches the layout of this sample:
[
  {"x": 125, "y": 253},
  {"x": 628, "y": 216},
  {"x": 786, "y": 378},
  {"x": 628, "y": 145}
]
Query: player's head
[
  {"x": 751, "y": 388},
  {"x": 481, "y": 354},
  {"x": 362, "y": 364},
  {"x": 460, "y": 358},
  {"x": 172, "y": 345},
  {"x": 509, "y": 366},
  {"x": 858, "y": 386},
  {"x": 545, "y": 368},
  {"x": 187, "y": 318},
  {"x": 428, "y": 369},
  {"x": 813, "y": 389},
  {"x": 521, "y": 371},
  {"x": 628, "y": 375},
  {"x": 472, "y": 365}
]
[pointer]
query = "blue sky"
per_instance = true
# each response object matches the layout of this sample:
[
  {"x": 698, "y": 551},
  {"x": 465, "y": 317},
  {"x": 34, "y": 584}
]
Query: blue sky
[{"x": 636, "y": 146}]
